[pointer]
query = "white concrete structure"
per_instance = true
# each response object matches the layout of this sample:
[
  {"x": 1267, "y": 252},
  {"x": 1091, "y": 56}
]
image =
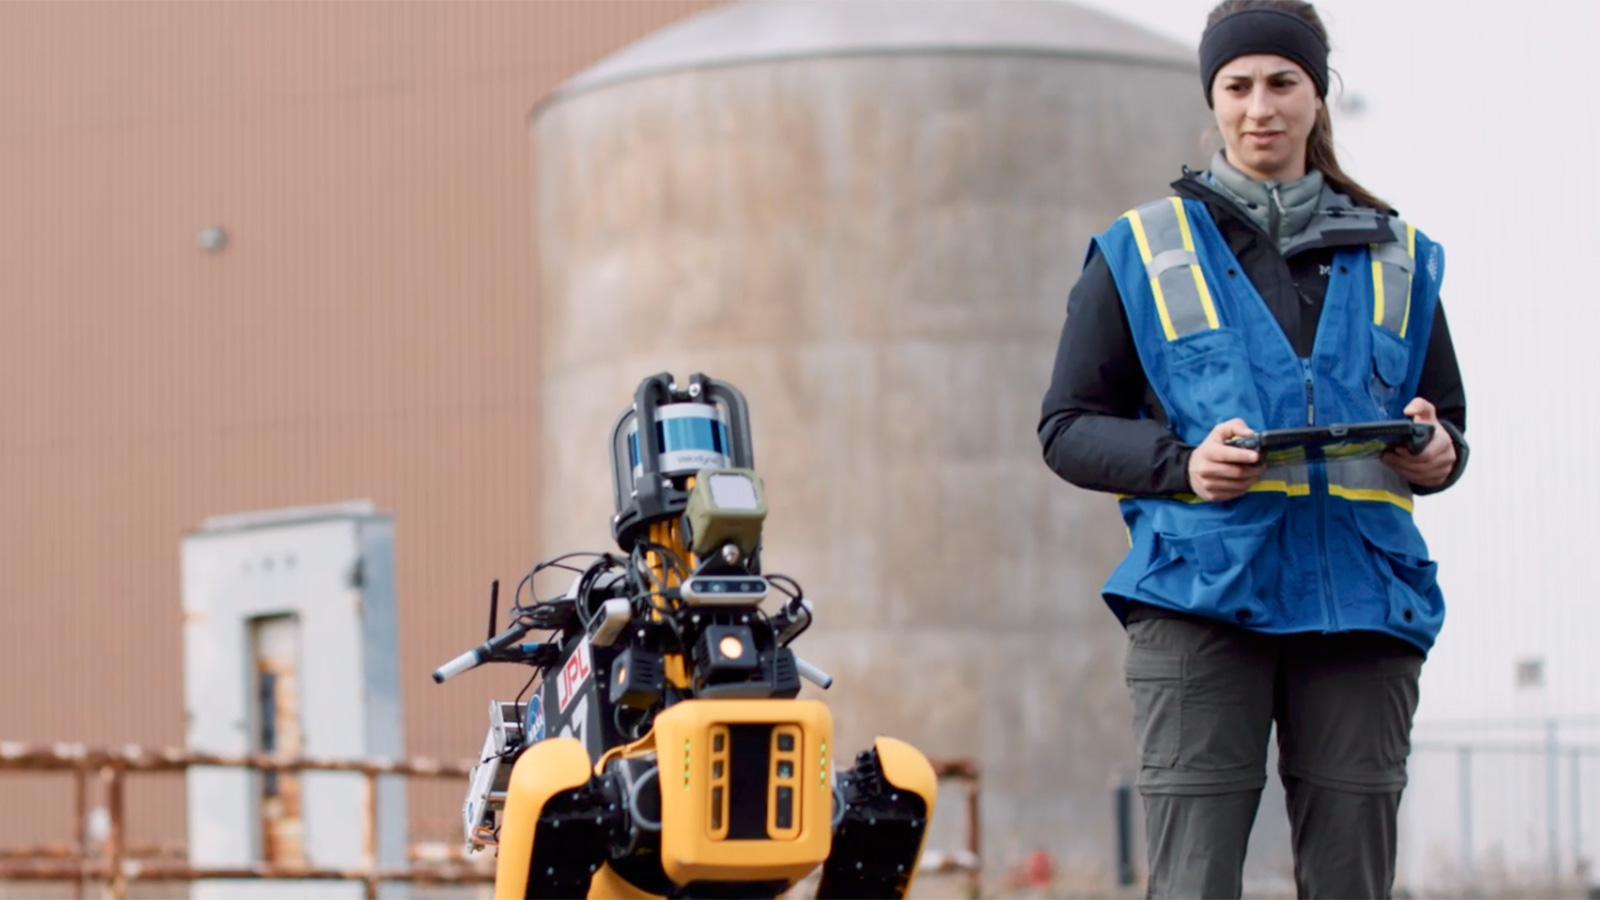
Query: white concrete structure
[{"x": 290, "y": 647}]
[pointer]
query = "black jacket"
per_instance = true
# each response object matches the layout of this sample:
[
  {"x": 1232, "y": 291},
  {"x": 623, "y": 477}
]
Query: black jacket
[{"x": 1088, "y": 425}]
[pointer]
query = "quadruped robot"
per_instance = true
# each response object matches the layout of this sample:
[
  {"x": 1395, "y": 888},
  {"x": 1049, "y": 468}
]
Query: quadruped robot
[{"x": 665, "y": 751}]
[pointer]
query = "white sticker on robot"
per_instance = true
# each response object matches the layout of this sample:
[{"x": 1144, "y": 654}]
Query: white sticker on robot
[
  {"x": 574, "y": 673},
  {"x": 574, "y": 727}
]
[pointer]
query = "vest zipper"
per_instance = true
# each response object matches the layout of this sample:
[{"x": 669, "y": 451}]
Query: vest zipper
[
  {"x": 1318, "y": 470},
  {"x": 1311, "y": 390}
]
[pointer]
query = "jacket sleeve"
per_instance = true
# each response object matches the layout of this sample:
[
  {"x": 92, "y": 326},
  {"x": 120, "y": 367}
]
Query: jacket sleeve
[
  {"x": 1441, "y": 385},
  {"x": 1089, "y": 423}
]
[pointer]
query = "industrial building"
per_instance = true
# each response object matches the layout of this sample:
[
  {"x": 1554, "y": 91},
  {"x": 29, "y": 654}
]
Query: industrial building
[{"x": 255, "y": 256}]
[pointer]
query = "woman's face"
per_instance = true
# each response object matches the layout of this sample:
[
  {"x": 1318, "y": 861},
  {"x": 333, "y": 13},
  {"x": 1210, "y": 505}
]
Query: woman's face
[{"x": 1265, "y": 106}]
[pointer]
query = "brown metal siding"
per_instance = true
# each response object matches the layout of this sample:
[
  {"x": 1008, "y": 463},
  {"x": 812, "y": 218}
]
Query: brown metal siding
[{"x": 369, "y": 331}]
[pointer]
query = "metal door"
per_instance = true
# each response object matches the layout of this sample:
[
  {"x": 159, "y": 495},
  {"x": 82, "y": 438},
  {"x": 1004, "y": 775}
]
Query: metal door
[{"x": 275, "y": 652}]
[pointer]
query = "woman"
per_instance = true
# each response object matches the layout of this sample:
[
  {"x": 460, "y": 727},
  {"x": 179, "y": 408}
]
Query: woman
[{"x": 1271, "y": 291}]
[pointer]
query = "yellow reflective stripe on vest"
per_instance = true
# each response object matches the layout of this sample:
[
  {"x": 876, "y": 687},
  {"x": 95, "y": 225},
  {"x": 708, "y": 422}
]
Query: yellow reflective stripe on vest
[
  {"x": 1351, "y": 479},
  {"x": 1293, "y": 479},
  {"x": 1392, "y": 266},
  {"x": 1166, "y": 246},
  {"x": 1368, "y": 480}
]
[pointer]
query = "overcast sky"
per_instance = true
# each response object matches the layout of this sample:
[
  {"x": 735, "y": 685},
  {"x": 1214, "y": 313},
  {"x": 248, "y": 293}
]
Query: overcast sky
[{"x": 1478, "y": 123}]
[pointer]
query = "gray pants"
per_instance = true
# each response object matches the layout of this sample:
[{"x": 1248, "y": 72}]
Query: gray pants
[{"x": 1204, "y": 700}]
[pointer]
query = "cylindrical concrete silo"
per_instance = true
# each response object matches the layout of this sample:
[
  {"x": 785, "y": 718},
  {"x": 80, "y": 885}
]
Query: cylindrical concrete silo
[{"x": 868, "y": 216}]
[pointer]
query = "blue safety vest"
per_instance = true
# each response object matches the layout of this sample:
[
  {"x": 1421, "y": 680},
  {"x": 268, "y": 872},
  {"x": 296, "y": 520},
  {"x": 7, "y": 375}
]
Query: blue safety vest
[{"x": 1319, "y": 544}]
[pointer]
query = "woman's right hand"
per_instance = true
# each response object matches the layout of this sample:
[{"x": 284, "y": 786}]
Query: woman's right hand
[{"x": 1220, "y": 472}]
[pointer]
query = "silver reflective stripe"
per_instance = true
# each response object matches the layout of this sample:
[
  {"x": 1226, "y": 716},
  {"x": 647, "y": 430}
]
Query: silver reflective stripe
[
  {"x": 1166, "y": 246},
  {"x": 1368, "y": 480},
  {"x": 1171, "y": 259},
  {"x": 1293, "y": 479},
  {"x": 1392, "y": 267},
  {"x": 1162, "y": 229},
  {"x": 1185, "y": 314}
]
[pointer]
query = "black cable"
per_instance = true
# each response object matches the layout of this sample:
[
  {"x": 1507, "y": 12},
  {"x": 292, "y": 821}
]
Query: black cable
[
  {"x": 803, "y": 629},
  {"x": 510, "y": 751},
  {"x": 580, "y": 598},
  {"x": 526, "y": 615},
  {"x": 667, "y": 616},
  {"x": 554, "y": 563},
  {"x": 636, "y": 564},
  {"x": 639, "y": 603},
  {"x": 795, "y": 597},
  {"x": 634, "y": 731},
  {"x": 655, "y": 585},
  {"x": 668, "y": 556},
  {"x": 586, "y": 583},
  {"x": 516, "y": 597},
  {"x": 526, "y": 686},
  {"x": 764, "y": 617},
  {"x": 640, "y": 606},
  {"x": 795, "y": 594},
  {"x": 637, "y": 560}
]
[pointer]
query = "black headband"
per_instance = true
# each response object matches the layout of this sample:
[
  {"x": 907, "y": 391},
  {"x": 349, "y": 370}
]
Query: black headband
[{"x": 1263, "y": 30}]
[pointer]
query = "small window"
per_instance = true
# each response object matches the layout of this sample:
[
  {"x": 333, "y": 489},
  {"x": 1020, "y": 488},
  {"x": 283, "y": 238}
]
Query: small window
[{"x": 1530, "y": 673}]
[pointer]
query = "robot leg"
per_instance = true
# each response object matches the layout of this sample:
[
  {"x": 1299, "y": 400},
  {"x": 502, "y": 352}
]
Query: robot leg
[
  {"x": 608, "y": 885},
  {"x": 551, "y": 839},
  {"x": 889, "y": 798}
]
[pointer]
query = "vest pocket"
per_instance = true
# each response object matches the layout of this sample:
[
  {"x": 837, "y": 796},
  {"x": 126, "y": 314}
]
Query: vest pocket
[
  {"x": 1415, "y": 609},
  {"x": 1210, "y": 382},
  {"x": 1229, "y": 573},
  {"x": 1391, "y": 357}
]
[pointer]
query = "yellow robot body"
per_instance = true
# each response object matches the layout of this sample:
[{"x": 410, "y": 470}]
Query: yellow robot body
[{"x": 746, "y": 789}]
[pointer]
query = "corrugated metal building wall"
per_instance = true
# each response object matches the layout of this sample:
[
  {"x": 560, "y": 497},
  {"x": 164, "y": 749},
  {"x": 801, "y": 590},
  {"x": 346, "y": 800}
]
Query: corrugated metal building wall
[{"x": 368, "y": 331}]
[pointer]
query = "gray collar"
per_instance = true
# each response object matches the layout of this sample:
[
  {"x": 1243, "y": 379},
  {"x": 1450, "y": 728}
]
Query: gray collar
[{"x": 1281, "y": 211}]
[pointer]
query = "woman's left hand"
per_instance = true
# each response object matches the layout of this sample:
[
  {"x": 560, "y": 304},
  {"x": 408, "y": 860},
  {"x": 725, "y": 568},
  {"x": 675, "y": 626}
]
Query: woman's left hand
[{"x": 1432, "y": 466}]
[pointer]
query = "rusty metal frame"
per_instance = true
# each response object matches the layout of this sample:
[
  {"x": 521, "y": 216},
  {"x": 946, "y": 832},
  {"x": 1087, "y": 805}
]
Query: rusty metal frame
[
  {"x": 965, "y": 770},
  {"x": 118, "y": 864}
]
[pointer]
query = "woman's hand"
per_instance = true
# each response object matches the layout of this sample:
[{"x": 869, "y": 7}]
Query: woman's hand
[
  {"x": 1219, "y": 472},
  {"x": 1432, "y": 466}
]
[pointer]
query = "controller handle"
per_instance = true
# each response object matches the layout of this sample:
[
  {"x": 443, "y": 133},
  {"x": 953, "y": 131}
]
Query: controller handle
[{"x": 1421, "y": 434}]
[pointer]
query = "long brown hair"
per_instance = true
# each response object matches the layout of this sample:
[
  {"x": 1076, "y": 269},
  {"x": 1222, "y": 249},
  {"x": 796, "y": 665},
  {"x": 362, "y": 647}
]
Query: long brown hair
[{"x": 1319, "y": 146}]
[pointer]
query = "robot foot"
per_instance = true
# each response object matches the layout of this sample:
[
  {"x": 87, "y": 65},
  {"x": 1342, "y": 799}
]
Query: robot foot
[{"x": 888, "y": 799}]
